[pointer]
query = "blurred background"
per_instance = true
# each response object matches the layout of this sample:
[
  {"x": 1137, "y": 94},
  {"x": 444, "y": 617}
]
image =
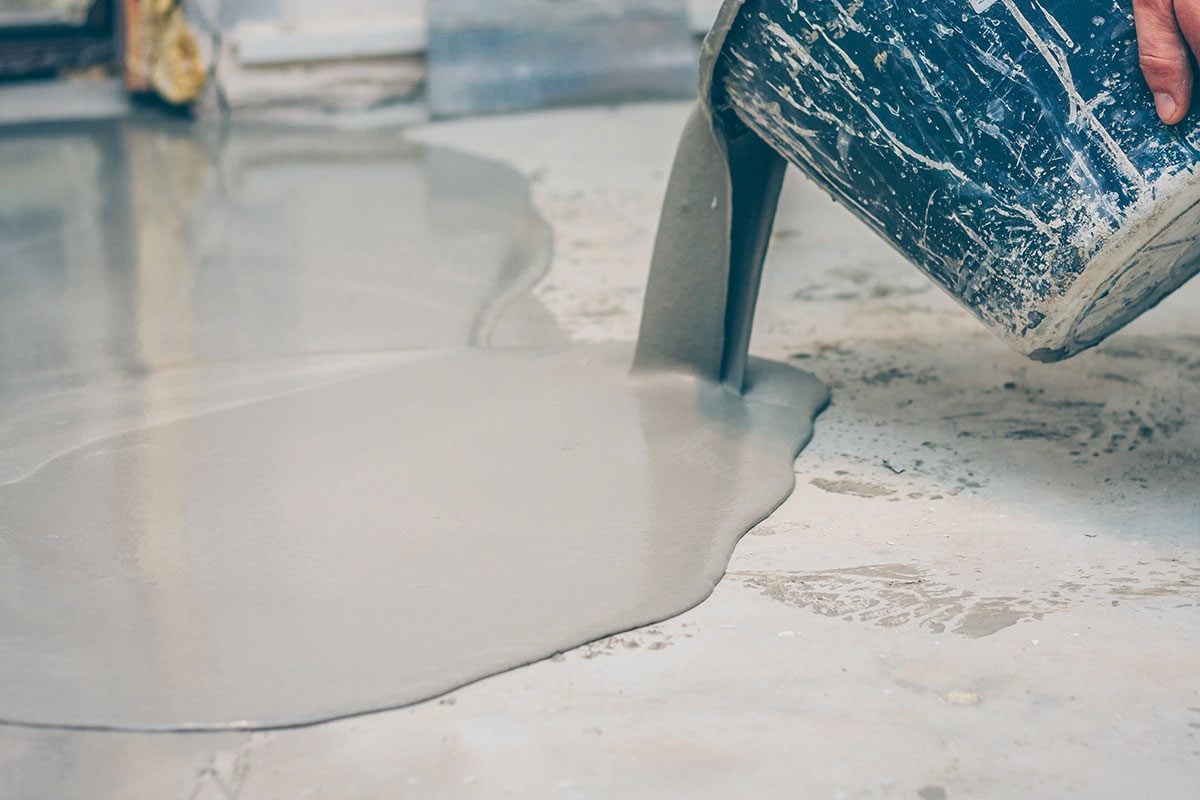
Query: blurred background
[{"x": 409, "y": 58}]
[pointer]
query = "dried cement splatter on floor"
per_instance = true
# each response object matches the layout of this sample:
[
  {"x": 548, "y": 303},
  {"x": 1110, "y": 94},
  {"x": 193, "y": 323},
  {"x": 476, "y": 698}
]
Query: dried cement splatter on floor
[
  {"x": 236, "y": 494},
  {"x": 892, "y": 595},
  {"x": 895, "y": 595}
]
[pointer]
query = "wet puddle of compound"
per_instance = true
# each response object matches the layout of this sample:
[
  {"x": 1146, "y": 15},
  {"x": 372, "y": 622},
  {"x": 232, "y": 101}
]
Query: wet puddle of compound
[{"x": 285, "y": 435}]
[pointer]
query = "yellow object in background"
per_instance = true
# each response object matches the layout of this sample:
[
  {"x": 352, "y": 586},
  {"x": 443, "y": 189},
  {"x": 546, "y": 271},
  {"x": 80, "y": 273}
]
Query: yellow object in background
[{"x": 162, "y": 54}]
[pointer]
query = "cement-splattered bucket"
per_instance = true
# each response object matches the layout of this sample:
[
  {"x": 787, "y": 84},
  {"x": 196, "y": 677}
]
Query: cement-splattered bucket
[{"x": 1009, "y": 148}]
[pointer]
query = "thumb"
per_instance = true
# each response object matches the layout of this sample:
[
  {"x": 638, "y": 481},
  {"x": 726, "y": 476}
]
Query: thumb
[{"x": 1163, "y": 56}]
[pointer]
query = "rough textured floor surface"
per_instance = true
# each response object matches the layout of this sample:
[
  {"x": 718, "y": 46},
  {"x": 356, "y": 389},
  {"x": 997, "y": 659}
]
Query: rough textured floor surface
[{"x": 985, "y": 584}]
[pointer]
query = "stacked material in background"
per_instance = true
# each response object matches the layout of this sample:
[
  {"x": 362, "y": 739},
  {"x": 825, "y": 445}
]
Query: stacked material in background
[{"x": 488, "y": 56}]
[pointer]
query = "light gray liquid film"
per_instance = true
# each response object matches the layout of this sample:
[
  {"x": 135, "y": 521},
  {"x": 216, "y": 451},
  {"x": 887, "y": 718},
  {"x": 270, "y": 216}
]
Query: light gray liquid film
[
  {"x": 258, "y": 468},
  {"x": 149, "y": 271}
]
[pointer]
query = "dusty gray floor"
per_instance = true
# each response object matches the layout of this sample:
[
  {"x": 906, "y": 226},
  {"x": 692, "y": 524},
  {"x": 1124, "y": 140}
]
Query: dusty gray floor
[{"x": 985, "y": 584}]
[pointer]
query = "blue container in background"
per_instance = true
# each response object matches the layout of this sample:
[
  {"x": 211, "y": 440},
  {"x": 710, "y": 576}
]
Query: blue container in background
[{"x": 1009, "y": 148}]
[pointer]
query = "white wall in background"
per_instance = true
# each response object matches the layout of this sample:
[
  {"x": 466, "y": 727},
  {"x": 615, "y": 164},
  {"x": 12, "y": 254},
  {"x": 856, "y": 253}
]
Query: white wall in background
[
  {"x": 317, "y": 30},
  {"x": 280, "y": 31},
  {"x": 703, "y": 13},
  {"x": 353, "y": 14}
]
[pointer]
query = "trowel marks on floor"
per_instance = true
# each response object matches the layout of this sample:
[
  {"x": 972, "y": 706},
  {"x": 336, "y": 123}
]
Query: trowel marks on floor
[{"x": 223, "y": 553}]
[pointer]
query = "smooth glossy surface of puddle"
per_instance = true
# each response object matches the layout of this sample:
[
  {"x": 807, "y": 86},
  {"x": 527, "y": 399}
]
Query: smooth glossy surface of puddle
[
  {"x": 251, "y": 477},
  {"x": 149, "y": 271}
]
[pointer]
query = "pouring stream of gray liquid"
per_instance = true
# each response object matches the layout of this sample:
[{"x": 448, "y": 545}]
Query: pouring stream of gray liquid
[{"x": 261, "y": 464}]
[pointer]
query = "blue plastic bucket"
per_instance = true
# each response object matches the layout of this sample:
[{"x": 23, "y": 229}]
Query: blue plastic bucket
[{"x": 1009, "y": 148}]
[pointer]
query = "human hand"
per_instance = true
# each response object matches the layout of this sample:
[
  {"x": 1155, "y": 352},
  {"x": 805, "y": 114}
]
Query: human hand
[{"x": 1168, "y": 33}]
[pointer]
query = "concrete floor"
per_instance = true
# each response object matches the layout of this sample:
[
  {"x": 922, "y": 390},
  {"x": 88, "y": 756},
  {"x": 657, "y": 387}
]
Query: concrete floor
[{"x": 985, "y": 585}]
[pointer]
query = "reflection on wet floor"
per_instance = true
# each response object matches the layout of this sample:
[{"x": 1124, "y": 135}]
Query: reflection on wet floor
[
  {"x": 256, "y": 469},
  {"x": 134, "y": 253}
]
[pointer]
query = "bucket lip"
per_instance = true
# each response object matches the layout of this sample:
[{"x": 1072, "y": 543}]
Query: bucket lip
[
  {"x": 710, "y": 50},
  {"x": 1160, "y": 207}
]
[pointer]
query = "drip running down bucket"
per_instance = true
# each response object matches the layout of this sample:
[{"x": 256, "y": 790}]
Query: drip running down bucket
[{"x": 1008, "y": 148}]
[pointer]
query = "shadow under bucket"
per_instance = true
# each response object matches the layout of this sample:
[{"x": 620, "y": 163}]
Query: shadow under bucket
[{"x": 1009, "y": 148}]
